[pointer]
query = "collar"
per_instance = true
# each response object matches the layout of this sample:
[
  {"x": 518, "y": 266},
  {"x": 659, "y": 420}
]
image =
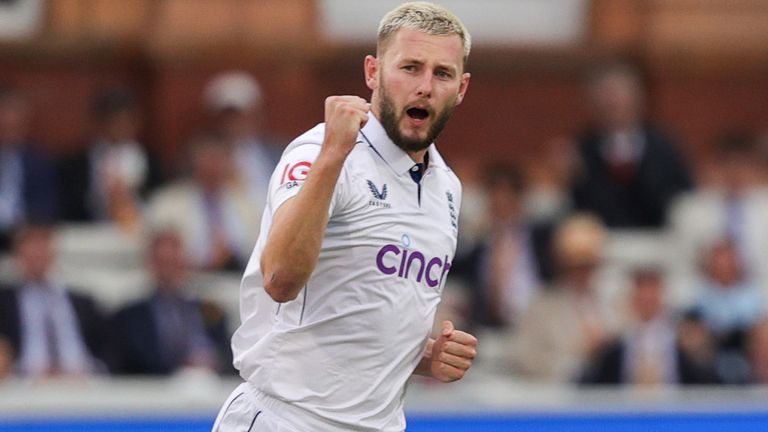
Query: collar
[
  {"x": 376, "y": 137},
  {"x": 44, "y": 287}
]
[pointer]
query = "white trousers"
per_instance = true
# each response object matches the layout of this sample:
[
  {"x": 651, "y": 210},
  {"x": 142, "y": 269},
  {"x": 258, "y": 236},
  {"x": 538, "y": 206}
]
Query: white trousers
[{"x": 240, "y": 413}]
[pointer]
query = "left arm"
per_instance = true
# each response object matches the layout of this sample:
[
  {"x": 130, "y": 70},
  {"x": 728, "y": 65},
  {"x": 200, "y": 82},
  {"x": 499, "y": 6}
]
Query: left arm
[{"x": 448, "y": 357}]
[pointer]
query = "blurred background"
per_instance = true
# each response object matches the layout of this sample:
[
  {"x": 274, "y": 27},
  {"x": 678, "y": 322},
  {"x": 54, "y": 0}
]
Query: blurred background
[{"x": 613, "y": 254}]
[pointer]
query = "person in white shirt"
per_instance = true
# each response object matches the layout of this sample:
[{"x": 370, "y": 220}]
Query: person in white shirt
[{"x": 339, "y": 297}]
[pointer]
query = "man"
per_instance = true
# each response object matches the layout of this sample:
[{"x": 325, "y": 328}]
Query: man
[
  {"x": 501, "y": 271},
  {"x": 359, "y": 232},
  {"x": 564, "y": 325},
  {"x": 735, "y": 206},
  {"x": 110, "y": 179},
  {"x": 168, "y": 331},
  {"x": 648, "y": 351},
  {"x": 219, "y": 214},
  {"x": 27, "y": 174},
  {"x": 630, "y": 171},
  {"x": 235, "y": 104},
  {"x": 51, "y": 331}
]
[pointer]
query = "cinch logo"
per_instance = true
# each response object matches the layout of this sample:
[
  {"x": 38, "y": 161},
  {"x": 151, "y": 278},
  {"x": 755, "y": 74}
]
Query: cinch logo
[{"x": 392, "y": 259}]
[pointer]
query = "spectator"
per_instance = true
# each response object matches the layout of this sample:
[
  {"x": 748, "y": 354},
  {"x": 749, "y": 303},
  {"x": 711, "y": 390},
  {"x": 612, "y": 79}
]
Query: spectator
[
  {"x": 547, "y": 198},
  {"x": 27, "y": 174},
  {"x": 51, "y": 330},
  {"x": 550, "y": 175},
  {"x": 647, "y": 352},
  {"x": 216, "y": 217},
  {"x": 630, "y": 171},
  {"x": 169, "y": 330},
  {"x": 234, "y": 102},
  {"x": 109, "y": 180},
  {"x": 566, "y": 324},
  {"x": 736, "y": 206},
  {"x": 731, "y": 305},
  {"x": 502, "y": 271}
]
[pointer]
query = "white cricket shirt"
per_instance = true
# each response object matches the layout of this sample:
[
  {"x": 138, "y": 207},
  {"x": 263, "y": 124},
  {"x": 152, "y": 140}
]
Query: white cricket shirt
[{"x": 339, "y": 355}]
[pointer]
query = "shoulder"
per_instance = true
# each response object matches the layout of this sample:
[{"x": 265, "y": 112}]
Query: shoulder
[
  {"x": 311, "y": 139},
  {"x": 83, "y": 302},
  {"x": 446, "y": 173},
  {"x": 77, "y": 160},
  {"x": 179, "y": 190},
  {"x": 139, "y": 309},
  {"x": 7, "y": 294}
]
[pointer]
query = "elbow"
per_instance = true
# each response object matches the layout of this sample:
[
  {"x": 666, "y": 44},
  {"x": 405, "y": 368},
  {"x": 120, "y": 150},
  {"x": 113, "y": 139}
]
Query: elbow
[{"x": 282, "y": 289}]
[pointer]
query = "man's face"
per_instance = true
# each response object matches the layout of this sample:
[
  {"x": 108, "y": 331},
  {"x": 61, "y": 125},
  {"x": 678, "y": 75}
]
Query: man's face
[
  {"x": 35, "y": 254},
  {"x": 14, "y": 120},
  {"x": 168, "y": 261},
  {"x": 417, "y": 81},
  {"x": 616, "y": 102}
]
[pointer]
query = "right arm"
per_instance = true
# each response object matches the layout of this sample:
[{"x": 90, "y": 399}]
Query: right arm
[{"x": 293, "y": 244}]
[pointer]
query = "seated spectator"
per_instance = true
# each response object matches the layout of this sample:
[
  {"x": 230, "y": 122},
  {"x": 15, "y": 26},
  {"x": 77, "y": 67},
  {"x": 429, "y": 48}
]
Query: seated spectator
[
  {"x": 629, "y": 170},
  {"x": 51, "y": 331},
  {"x": 731, "y": 304},
  {"x": 169, "y": 330},
  {"x": 735, "y": 205},
  {"x": 216, "y": 216},
  {"x": 235, "y": 105},
  {"x": 564, "y": 326},
  {"x": 648, "y": 352},
  {"x": 27, "y": 174},
  {"x": 501, "y": 272},
  {"x": 729, "y": 301},
  {"x": 550, "y": 174},
  {"x": 109, "y": 180}
]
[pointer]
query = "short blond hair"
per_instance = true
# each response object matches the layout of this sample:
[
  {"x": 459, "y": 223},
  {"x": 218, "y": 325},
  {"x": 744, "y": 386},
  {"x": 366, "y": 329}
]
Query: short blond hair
[
  {"x": 425, "y": 17},
  {"x": 580, "y": 239}
]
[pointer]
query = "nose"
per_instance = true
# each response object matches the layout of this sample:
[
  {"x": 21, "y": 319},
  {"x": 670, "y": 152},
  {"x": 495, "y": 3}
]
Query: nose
[{"x": 424, "y": 88}]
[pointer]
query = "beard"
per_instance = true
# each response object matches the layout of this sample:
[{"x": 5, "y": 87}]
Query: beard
[{"x": 390, "y": 120}]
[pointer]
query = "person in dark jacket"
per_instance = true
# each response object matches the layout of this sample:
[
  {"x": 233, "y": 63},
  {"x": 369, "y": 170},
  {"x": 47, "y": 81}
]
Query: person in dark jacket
[
  {"x": 48, "y": 329},
  {"x": 110, "y": 179},
  {"x": 27, "y": 173},
  {"x": 169, "y": 330},
  {"x": 630, "y": 170},
  {"x": 651, "y": 350}
]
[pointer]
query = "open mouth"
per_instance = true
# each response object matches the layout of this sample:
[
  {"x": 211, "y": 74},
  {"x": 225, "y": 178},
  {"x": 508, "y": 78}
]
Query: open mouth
[{"x": 417, "y": 113}]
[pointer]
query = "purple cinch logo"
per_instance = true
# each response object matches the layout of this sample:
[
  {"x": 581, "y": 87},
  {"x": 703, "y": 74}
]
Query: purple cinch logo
[{"x": 430, "y": 270}]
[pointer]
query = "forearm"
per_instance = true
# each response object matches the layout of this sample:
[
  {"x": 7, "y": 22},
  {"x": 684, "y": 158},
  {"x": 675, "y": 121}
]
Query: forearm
[
  {"x": 296, "y": 236},
  {"x": 423, "y": 368}
]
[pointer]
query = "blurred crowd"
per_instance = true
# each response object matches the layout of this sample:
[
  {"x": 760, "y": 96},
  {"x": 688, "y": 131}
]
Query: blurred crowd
[{"x": 535, "y": 240}]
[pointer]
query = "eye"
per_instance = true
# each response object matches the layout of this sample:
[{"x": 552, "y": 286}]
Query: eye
[
  {"x": 443, "y": 74},
  {"x": 409, "y": 68}
]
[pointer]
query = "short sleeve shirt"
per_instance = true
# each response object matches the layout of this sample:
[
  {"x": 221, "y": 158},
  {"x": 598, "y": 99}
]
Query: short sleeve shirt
[{"x": 343, "y": 350}]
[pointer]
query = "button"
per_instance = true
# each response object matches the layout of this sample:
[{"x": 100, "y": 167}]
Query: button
[{"x": 415, "y": 168}]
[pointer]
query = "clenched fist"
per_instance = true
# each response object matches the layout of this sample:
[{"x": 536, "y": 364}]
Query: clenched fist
[
  {"x": 344, "y": 116},
  {"x": 452, "y": 354}
]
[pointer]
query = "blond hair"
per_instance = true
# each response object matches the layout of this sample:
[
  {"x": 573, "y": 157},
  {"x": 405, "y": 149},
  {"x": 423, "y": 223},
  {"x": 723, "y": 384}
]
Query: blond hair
[
  {"x": 425, "y": 17},
  {"x": 581, "y": 238}
]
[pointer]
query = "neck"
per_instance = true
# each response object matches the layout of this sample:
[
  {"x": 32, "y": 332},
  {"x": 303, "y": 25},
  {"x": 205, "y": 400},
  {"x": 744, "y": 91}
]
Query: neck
[{"x": 417, "y": 156}]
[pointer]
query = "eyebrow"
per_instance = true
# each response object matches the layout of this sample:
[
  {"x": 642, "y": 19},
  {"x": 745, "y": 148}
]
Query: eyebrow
[{"x": 452, "y": 69}]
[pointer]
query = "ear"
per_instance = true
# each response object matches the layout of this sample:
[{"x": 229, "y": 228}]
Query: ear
[
  {"x": 463, "y": 87},
  {"x": 371, "y": 68}
]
